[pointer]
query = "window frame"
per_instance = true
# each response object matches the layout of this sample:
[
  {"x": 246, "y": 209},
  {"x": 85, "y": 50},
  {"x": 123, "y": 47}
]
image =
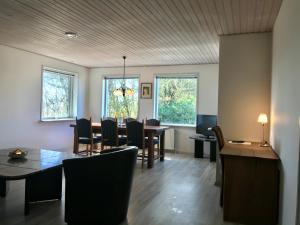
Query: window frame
[
  {"x": 73, "y": 90},
  {"x": 118, "y": 76},
  {"x": 175, "y": 75}
]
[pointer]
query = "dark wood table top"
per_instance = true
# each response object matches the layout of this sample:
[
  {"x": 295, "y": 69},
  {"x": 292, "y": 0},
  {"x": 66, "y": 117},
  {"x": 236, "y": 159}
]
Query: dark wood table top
[
  {"x": 36, "y": 161},
  {"x": 254, "y": 150},
  {"x": 123, "y": 127}
]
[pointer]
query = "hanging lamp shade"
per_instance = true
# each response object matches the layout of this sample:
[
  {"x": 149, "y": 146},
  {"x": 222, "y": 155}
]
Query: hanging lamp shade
[{"x": 123, "y": 90}]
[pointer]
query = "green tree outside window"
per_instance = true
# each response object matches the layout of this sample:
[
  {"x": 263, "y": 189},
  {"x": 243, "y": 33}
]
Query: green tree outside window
[{"x": 176, "y": 100}]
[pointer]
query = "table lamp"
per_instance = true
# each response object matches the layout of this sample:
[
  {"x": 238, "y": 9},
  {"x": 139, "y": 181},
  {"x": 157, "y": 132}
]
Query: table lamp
[{"x": 263, "y": 119}]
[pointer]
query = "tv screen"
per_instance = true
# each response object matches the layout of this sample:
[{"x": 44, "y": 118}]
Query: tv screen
[{"x": 204, "y": 122}]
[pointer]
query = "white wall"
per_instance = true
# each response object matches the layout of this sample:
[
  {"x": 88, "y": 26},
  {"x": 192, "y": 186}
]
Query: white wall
[
  {"x": 20, "y": 99},
  {"x": 244, "y": 84},
  {"x": 208, "y": 94},
  {"x": 285, "y": 104}
]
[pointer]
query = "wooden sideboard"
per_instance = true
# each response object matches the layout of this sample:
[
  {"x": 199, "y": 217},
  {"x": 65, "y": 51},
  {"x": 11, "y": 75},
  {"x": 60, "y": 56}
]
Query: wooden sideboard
[{"x": 250, "y": 184}]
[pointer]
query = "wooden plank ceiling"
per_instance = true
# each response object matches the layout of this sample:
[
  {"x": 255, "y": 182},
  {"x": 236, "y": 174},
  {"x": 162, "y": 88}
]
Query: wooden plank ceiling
[{"x": 149, "y": 32}]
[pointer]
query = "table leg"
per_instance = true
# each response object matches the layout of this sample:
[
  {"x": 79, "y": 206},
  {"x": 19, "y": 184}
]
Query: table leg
[
  {"x": 150, "y": 150},
  {"x": 75, "y": 143},
  {"x": 162, "y": 146},
  {"x": 198, "y": 149},
  {"x": 213, "y": 147},
  {"x": 46, "y": 185},
  {"x": 4, "y": 186}
]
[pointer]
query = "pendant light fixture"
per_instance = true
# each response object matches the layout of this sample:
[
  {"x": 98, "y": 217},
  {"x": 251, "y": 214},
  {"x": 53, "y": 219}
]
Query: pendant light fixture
[{"x": 123, "y": 90}]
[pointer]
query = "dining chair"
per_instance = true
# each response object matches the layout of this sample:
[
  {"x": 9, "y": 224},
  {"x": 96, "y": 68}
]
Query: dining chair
[
  {"x": 98, "y": 188},
  {"x": 129, "y": 119},
  {"x": 136, "y": 137},
  {"x": 219, "y": 135},
  {"x": 84, "y": 135},
  {"x": 109, "y": 118},
  {"x": 221, "y": 142},
  {"x": 109, "y": 132},
  {"x": 156, "y": 139},
  {"x": 152, "y": 122}
]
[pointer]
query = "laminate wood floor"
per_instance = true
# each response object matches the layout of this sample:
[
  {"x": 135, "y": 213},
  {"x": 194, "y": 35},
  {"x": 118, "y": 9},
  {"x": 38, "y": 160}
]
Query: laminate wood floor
[{"x": 178, "y": 191}]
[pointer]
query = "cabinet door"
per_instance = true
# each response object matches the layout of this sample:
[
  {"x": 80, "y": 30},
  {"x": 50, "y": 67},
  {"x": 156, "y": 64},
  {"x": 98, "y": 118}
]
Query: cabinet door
[
  {"x": 250, "y": 190},
  {"x": 267, "y": 191},
  {"x": 239, "y": 189}
]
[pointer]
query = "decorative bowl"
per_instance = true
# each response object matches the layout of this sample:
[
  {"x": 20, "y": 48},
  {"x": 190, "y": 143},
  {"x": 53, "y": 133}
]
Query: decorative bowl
[{"x": 17, "y": 154}]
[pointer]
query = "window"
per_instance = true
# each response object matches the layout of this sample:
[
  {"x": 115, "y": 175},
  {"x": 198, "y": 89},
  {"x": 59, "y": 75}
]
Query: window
[
  {"x": 176, "y": 99},
  {"x": 58, "y": 99},
  {"x": 119, "y": 106}
]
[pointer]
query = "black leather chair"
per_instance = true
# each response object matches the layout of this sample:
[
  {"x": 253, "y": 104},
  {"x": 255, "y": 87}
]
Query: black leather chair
[
  {"x": 84, "y": 134},
  {"x": 136, "y": 137},
  {"x": 221, "y": 142},
  {"x": 98, "y": 187},
  {"x": 109, "y": 132}
]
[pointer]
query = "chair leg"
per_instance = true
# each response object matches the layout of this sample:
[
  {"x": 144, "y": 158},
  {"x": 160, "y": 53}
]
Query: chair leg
[
  {"x": 91, "y": 149},
  {"x": 158, "y": 151},
  {"x": 77, "y": 148},
  {"x": 95, "y": 147},
  {"x": 221, "y": 196},
  {"x": 222, "y": 183},
  {"x": 143, "y": 157},
  {"x": 87, "y": 149},
  {"x": 156, "y": 148}
]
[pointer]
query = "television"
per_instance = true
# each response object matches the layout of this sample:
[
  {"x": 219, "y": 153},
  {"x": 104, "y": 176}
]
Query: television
[{"x": 204, "y": 122}]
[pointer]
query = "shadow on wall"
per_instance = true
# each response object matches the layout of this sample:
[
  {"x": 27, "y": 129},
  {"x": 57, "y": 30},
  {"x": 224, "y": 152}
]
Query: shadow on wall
[
  {"x": 298, "y": 194},
  {"x": 277, "y": 148}
]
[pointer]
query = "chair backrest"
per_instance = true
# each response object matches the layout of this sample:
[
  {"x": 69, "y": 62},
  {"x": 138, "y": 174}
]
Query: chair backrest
[
  {"x": 135, "y": 134},
  {"x": 219, "y": 135},
  {"x": 84, "y": 128},
  {"x": 129, "y": 119},
  {"x": 109, "y": 132},
  {"x": 153, "y": 122},
  {"x": 97, "y": 189},
  {"x": 109, "y": 118}
]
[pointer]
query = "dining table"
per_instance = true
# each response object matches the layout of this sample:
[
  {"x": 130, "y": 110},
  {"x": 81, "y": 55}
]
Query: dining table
[
  {"x": 40, "y": 168},
  {"x": 150, "y": 133}
]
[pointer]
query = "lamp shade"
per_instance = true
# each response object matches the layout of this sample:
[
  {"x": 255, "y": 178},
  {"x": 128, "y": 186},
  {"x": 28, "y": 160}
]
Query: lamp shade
[
  {"x": 262, "y": 118},
  {"x": 118, "y": 92},
  {"x": 123, "y": 90}
]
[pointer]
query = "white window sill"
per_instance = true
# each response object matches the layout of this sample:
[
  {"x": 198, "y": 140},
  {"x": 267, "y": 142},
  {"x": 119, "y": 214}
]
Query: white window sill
[
  {"x": 178, "y": 125},
  {"x": 58, "y": 120}
]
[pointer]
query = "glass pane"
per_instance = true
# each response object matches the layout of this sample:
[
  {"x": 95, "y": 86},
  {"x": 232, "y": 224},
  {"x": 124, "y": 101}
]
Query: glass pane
[
  {"x": 57, "y": 95},
  {"x": 176, "y": 100},
  {"x": 119, "y": 106}
]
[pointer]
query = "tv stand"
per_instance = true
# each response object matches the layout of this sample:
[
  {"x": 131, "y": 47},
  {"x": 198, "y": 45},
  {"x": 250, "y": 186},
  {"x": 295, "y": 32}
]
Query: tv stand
[{"x": 199, "y": 146}]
